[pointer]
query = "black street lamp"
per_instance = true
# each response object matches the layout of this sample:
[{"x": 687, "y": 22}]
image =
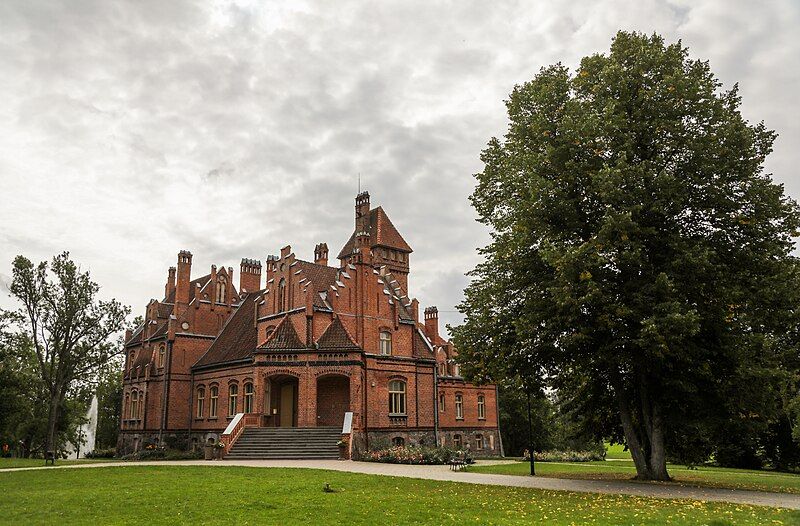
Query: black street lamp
[{"x": 530, "y": 433}]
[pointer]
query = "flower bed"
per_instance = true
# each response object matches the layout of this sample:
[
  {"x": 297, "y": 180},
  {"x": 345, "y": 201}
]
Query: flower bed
[
  {"x": 410, "y": 455},
  {"x": 565, "y": 456}
]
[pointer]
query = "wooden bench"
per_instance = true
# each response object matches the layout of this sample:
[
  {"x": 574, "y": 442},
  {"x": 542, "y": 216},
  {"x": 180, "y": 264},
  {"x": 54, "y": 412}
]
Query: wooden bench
[
  {"x": 459, "y": 463},
  {"x": 49, "y": 456}
]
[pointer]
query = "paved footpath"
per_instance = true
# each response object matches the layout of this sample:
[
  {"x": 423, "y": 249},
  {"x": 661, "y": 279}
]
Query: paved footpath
[{"x": 662, "y": 491}]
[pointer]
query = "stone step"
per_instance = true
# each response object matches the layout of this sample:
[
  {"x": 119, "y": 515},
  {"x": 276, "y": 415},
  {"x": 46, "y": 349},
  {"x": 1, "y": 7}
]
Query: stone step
[{"x": 286, "y": 442}]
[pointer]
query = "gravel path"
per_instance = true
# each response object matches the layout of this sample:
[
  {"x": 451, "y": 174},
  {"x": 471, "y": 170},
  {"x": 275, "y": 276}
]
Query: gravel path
[{"x": 662, "y": 491}]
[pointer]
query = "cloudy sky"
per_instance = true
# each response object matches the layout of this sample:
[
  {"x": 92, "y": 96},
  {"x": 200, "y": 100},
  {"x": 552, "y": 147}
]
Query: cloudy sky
[{"x": 130, "y": 130}]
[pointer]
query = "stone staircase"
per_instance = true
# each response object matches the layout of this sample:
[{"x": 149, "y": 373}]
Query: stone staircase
[{"x": 286, "y": 443}]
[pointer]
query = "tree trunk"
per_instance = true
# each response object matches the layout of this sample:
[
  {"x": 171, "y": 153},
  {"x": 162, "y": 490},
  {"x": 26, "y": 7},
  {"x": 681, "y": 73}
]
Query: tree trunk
[
  {"x": 631, "y": 438},
  {"x": 644, "y": 435},
  {"x": 52, "y": 420},
  {"x": 658, "y": 457}
]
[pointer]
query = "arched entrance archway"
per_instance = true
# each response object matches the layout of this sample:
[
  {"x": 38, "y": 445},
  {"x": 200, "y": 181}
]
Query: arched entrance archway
[{"x": 333, "y": 399}]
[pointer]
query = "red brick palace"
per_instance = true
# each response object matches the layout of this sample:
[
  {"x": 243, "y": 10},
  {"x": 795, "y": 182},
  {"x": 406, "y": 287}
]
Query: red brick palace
[{"x": 309, "y": 345}]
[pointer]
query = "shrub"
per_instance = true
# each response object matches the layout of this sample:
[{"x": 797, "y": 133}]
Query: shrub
[
  {"x": 565, "y": 456},
  {"x": 161, "y": 453},
  {"x": 410, "y": 455},
  {"x": 102, "y": 453}
]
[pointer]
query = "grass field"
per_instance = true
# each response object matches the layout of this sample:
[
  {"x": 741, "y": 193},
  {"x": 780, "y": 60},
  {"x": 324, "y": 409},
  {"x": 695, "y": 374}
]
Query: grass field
[
  {"x": 11, "y": 463},
  {"x": 240, "y": 495},
  {"x": 625, "y": 470}
]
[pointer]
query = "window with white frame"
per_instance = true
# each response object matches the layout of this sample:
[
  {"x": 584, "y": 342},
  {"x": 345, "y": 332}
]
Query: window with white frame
[
  {"x": 481, "y": 407},
  {"x": 397, "y": 398},
  {"x": 459, "y": 407},
  {"x": 457, "y": 441},
  {"x": 386, "y": 343},
  {"x": 248, "y": 397},
  {"x": 478, "y": 441},
  {"x": 233, "y": 395},
  {"x": 213, "y": 398},
  {"x": 201, "y": 401}
]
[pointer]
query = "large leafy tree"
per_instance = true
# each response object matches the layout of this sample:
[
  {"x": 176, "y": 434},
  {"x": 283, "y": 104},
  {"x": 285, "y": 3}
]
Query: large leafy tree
[
  {"x": 71, "y": 332},
  {"x": 640, "y": 257}
]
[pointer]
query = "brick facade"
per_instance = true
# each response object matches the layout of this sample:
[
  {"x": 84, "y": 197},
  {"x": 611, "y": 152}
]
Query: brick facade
[{"x": 311, "y": 343}]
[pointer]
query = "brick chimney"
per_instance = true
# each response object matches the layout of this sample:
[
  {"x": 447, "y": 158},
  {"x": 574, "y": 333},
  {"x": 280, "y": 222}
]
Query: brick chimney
[
  {"x": 432, "y": 323},
  {"x": 272, "y": 266},
  {"x": 183, "y": 278},
  {"x": 250, "y": 275},
  {"x": 169, "y": 288},
  {"x": 321, "y": 254}
]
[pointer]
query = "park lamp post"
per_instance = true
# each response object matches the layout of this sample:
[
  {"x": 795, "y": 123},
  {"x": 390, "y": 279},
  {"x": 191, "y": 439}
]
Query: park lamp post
[{"x": 530, "y": 433}]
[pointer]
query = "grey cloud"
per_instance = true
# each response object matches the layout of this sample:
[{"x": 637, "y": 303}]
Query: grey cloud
[{"x": 133, "y": 130}]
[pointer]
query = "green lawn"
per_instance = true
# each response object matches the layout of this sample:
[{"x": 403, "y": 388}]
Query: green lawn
[
  {"x": 240, "y": 495},
  {"x": 11, "y": 463},
  {"x": 625, "y": 470},
  {"x": 617, "y": 452}
]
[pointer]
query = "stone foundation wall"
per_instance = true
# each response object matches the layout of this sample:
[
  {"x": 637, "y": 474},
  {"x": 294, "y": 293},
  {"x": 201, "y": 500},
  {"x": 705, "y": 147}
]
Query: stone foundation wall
[{"x": 130, "y": 442}]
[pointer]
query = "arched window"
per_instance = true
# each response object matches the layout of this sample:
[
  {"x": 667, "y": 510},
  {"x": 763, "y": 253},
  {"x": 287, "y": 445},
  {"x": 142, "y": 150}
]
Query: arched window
[
  {"x": 233, "y": 395},
  {"x": 281, "y": 295},
  {"x": 481, "y": 407},
  {"x": 459, "y": 407},
  {"x": 456, "y": 369},
  {"x": 126, "y": 410},
  {"x": 442, "y": 402},
  {"x": 397, "y": 398},
  {"x": 134, "y": 405},
  {"x": 140, "y": 409},
  {"x": 213, "y": 397},
  {"x": 478, "y": 441},
  {"x": 221, "y": 286},
  {"x": 248, "y": 397},
  {"x": 442, "y": 369},
  {"x": 398, "y": 441},
  {"x": 162, "y": 352},
  {"x": 201, "y": 401},
  {"x": 386, "y": 343},
  {"x": 457, "y": 441}
]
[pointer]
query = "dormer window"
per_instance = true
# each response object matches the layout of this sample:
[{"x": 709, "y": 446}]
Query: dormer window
[{"x": 386, "y": 343}]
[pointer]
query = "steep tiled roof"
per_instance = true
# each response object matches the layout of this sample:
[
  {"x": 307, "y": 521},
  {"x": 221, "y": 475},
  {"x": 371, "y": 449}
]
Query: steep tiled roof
[
  {"x": 136, "y": 337},
  {"x": 143, "y": 360},
  {"x": 336, "y": 337},
  {"x": 161, "y": 331},
  {"x": 321, "y": 277},
  {"x": 238, "y": 338},
  {"x": 399, "y": 296},
  {"x": 202, "y": 281},
  {"x": 421, "y": 346},
  {"x": 284, "y": 337},
  {"x": 381, "y": 232}
]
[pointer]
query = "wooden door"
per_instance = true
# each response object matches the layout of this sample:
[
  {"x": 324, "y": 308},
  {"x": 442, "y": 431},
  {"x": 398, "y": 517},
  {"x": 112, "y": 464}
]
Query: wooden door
[{"x": 287, "y": 405}]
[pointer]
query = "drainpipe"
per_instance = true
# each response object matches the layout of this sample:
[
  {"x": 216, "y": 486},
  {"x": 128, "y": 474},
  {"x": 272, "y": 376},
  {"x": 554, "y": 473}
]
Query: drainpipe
[
  {"x": 436, "y": 406},
  {"x": 165, "y": 393},
  {"x": 497, "y": 417},
  {"x": 366, "y": 407}
]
